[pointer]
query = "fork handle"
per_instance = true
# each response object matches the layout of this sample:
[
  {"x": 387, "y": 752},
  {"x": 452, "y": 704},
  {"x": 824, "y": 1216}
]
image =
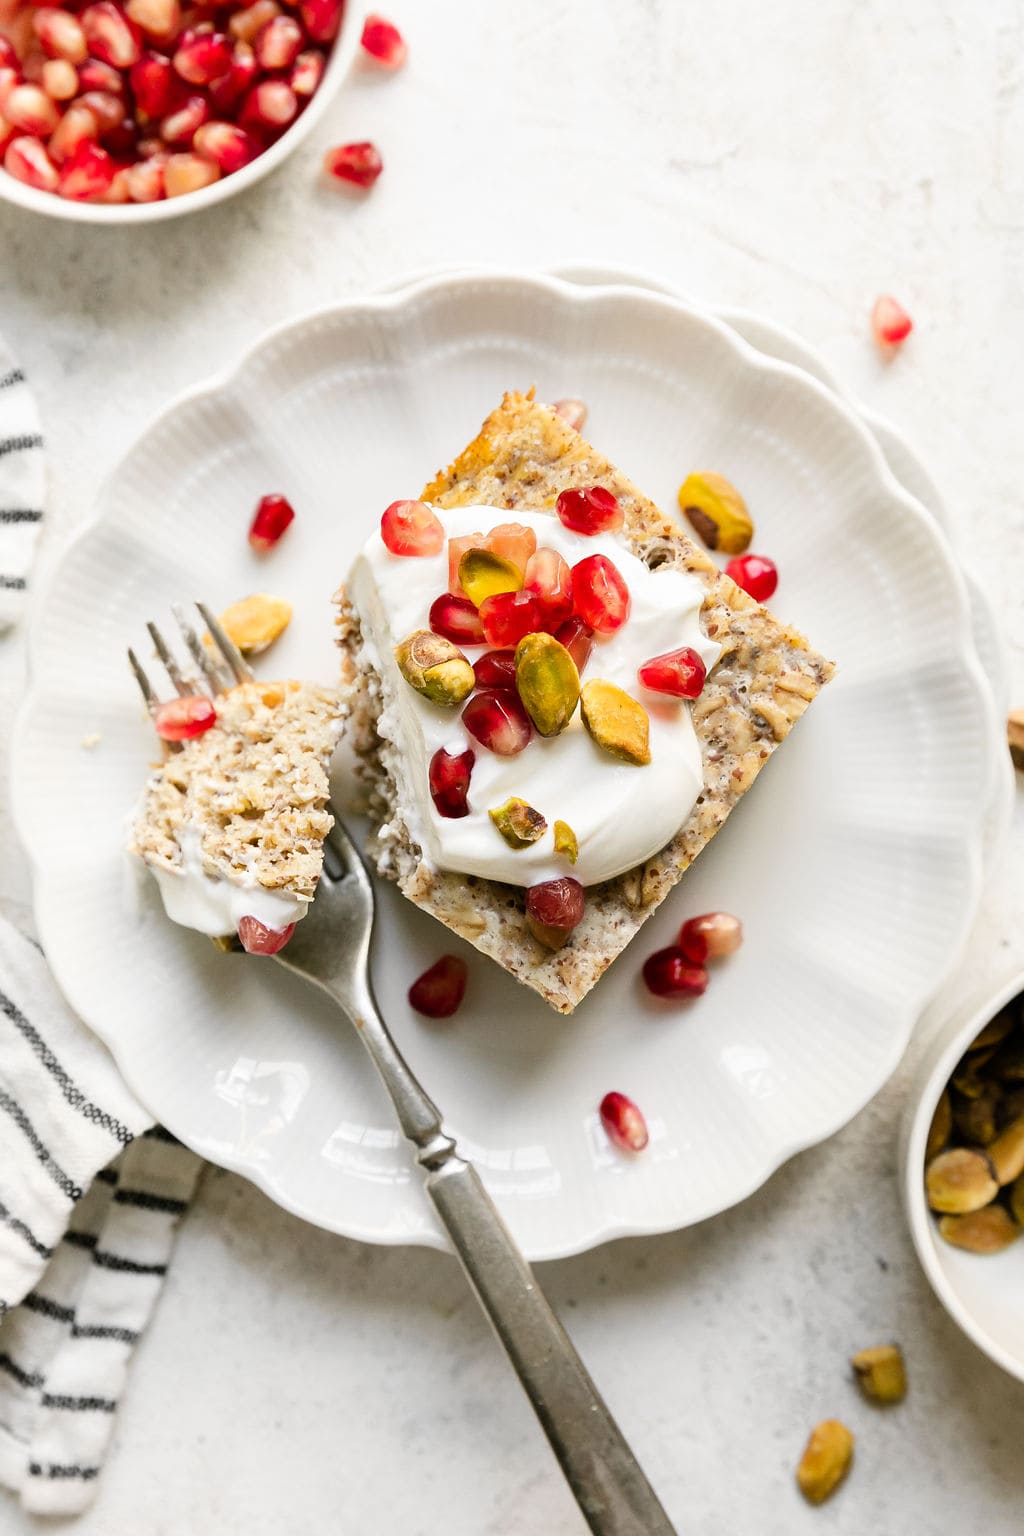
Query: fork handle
[{"x": 609, "y": 1485}]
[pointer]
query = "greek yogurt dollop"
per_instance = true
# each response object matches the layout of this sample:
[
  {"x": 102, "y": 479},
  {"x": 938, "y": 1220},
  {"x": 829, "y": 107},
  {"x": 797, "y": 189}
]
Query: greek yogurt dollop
[
  {"x": 214, "y": 905},
  {"x": 621, "y": 814}
]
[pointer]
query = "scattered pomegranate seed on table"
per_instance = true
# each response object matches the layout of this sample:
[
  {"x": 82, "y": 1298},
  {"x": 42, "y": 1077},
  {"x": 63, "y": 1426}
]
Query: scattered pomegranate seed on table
[
  {"x": 710, "y": 936},
  {"x": 412, "y": 528},
  {"x": 756, "y": 574},
  {"x": 624, "y": 1122},
  {"x": 670, "y": 973},
  {"x": 257, "y": 939},
  {"x": 383, "y": 42},
  {"x": 273, "y": 514},
  {"x": 589, "y": 510},
  {"x": 438, "y": 993},
  {"x": 890, "y": 322},
  {"x": 184, "y": 718},
  {"x": 599, "y": 594},
  {"x": 448, "y": 777},
  {"x": 358, "y": 165},
  {"x": 681, "y": 674}
]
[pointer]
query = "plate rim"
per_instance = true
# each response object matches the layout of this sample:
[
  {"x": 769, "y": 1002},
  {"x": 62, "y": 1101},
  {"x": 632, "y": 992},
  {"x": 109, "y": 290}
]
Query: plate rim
[{"x": 904, "y": 1020}]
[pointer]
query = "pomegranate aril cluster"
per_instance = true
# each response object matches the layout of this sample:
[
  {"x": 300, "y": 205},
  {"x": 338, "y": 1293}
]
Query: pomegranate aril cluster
[
  {"x": 143, "y": 101},
  {"x": 679, "y": 971}
]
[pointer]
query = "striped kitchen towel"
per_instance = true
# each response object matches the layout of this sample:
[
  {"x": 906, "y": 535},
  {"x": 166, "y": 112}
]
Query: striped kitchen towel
[
  {"x": 22, "y": 485},
  {"x": 90, "y": 1190}
]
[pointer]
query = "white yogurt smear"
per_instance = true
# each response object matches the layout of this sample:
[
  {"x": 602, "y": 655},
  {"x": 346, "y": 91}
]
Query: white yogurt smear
[
  {"x": 213, "y": 904},
  {"x": 621, "y": 814}
]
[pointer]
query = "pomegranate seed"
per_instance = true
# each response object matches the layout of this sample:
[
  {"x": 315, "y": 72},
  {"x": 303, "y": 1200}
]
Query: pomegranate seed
[
  {"x": 182, "y": 125},
  {"x": 182, "y": 719},
  {"x": 271, "y": 103},
  {"x": 623, "y": 1122},
  {"x": 496, "y": 669},
  {"x": 94, "y": 75},
  {"x": 160, "y": 19},
  {"x": 153, "y": 84},
  {"x": 508, "y": 616},
  {"x": 412, "y": 528},
  {"x": 279, "y": 44},
  {"x": 553, "y": 909},
  {"x": 384, "y": 43},
  {"x": 8, "y": 57},
  {"x": 890, "y": 322},
  {"x": 358, "y": 164},
  {"x": 756, "y": 574},
  {"x": 257, "y": 939},
  {"x": 710, "y": 936},
  {"x": 573, "y": 413},
  {"x": 111, "y": 37},
  {"x": 246, "y": 25},
  {"x": 512, "y": 541},
  {"x": 30, "y": 110},
  {"x": 549, "y": 578},
  {"x": 203, "y": 57},
  {"x": 599, "y": 594},
  {"x": 60, "y": 79},
  {"x": 457, "y": 547},
  {"x": 448, "y": 777},
  {"x": 679, "y": 673},
  {"x": 26, "y": 160},
  {"x": 108, "y": 110},
  {"x": 225, "y": 94},
  {"x": 77, "y": 126},
  {"x": 87, "y": 174},
  {"x": 272, "y": 516},
  {"x": 321, "y": 19},
  {"x": 669, "y": 973},
  {"x": 438, "y": 992},
  {"x": 307, "y": 72},
  {"x": 9, "y": 78},
  {"x": 145, "y": 180},
  {"x": 456, "y": 619},
  {"x": 118, "y": 191},
  {"x": 32, "y": 66},
  {"x": 589, "y": 510},
  {"x": 188, "y": 173},
  {"x": 498, "y": 721},
  {"x": 578, "y": 639},
  {"x": 226, "y": 145},
  {"x": 60, "y": 34}
]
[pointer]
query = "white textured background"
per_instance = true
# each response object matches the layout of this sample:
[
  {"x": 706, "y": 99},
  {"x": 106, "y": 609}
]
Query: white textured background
[{"x": 794, "y": 158}]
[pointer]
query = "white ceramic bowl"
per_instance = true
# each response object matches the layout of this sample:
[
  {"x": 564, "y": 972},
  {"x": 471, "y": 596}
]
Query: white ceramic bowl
[
  {"x": 339, "y": 63},
  {"x": 984, "y": 1295}
]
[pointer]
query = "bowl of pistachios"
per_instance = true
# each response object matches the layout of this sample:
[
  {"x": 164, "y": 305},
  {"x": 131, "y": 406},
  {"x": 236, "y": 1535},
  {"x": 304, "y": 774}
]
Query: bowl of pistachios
[{"x": 963, "y": 1173}]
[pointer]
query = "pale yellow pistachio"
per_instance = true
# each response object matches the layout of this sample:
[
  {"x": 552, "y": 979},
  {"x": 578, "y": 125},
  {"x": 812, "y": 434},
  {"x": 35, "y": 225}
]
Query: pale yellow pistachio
[
  {"x": 547, "y": 681},
  {"x": 962, "y": 1179},
  {"x": 1007, "y": 1152},
  {"x": 255, "y": 622},
  {"x": 566, "y": 841},
  {"x": 940, "y": 1128},
  {"x": 716, "y": 511},
  {"x": 986, "y": 1231},
  {"x": 483, "y": 574},
  {"x": 616, "y": 721},
  {"x": 881, "y": 1373},
  {"x": 435, "y": 667},
  {"x": 825, "y": 1461}
]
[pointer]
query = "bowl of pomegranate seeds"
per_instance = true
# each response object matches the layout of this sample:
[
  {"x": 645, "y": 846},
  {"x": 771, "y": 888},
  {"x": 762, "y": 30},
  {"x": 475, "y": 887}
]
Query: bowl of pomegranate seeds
[{"x": 116, "y": 114}]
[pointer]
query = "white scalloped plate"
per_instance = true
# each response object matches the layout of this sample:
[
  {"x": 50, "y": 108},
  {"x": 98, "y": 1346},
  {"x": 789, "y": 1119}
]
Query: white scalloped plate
[{"x": 855, "y": 861}]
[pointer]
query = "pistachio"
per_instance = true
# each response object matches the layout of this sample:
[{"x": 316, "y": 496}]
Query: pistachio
[
  {"x": 1017, "y": 1200},
  {"x": 435, "y": 667},
  {"x": 483, "y": 574},
  {"x": 616, "y": 721},
  {"x": 1008, "y": 1061},
  {"x": 519, "y": 824},
  {"x": 1015, "y": 736},
  {"x": 942, "y": 1124},
  {"x": 1007, "y": 1152},
  {"x": 986, "y": 1231},
  {"x": 960, "y": 1180},
  {"x": 825, "y": 1461},
  {"x": 975, "y": 1119},
  {"x": 716, "y": 511},
  {"x": 1011, "y": 1104},
  {"x": 995, "y": 1031},
  {"x": 566, "y": 841},
  {"x": 547, "y": 682},
  {"x": 255, "y": 622},
  {"x": 881, "y": 1373},
  {"x": 968, "y": 1079}
]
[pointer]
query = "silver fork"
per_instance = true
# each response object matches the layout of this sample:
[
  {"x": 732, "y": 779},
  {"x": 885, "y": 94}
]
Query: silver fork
[{"x": 331, "y": 948}]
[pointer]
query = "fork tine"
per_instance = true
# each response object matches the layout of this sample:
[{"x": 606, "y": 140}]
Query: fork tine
[
  {"x": 200, "y": 653},
  {"x": 145, "y": 686},
  {"x": 171, "y": 666},
  {"x": 227, "y": 647}
]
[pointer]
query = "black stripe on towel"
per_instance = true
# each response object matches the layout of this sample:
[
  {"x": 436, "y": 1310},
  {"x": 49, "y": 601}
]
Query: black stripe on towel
[
  {"x": 104, "y": 1331},
  {"x": 78, "y": 1404},
  {"x": 75, "y": 1097},
  {"x": 20, "y": 444},
  {"x": 80, "y": 1239},
  {"x": 117, "y": 1261},
  {"x": 20, "y": 515},
  {"x": 14, "y": 377},
  {"x": 28, "y": 1130},
  {"x": 147, "y": 1202},
  {"x": 107, "y": 1176},
  {"x": 47, "y": 1308},
  {"x": 23, "y": 1378},
  {"x": 25, "y": 1233},
  {"x": 55, "y": 1470},
  {"x": 12, "y": 584}
]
